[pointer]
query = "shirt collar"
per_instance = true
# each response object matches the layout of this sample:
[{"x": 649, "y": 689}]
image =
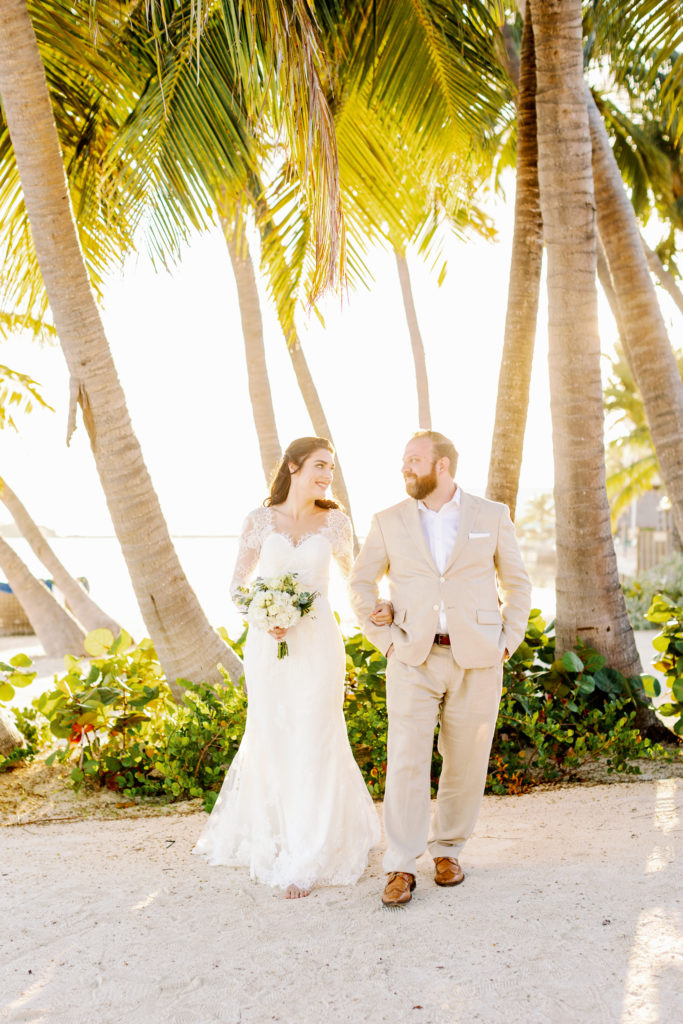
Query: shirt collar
[{"x": 453, "y": 505}]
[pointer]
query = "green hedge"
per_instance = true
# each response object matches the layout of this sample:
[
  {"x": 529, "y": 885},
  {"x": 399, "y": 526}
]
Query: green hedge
[{"x": 120, "y": 727}]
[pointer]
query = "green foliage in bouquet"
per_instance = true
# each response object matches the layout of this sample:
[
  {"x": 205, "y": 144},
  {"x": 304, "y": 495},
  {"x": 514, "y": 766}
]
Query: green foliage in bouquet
[{"x": 669, "y": 646}]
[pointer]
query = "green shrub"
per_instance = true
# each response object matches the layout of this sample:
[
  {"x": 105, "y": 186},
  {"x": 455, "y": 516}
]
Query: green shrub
[
  {"x": 558, "y": 714},
  {"x": 124, "y": 731},
  {"x": 365, "y": 710},
  {"x": 197, "y": 745},
  {"x": 15, "y": 674},
  {"x": 639, "y": 592},
  {"x": 112, "y": 713},
  {"x": 669, "y": 644}
]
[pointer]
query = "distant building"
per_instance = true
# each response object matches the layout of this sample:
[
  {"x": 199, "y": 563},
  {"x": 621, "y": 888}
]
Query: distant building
[{"x": 645, "y": 533}]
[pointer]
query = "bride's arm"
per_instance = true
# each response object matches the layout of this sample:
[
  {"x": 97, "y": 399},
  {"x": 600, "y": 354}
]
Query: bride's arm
[
  {"x": 342, "y": 547},
  {"x": 248, "y": 553}
]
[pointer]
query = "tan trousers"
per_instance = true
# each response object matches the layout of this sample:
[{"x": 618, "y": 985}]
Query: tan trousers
[{"x": 465, "y": 701}]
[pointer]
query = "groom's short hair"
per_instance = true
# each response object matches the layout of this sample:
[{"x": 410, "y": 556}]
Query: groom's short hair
[{"x": 442, "y": 447}]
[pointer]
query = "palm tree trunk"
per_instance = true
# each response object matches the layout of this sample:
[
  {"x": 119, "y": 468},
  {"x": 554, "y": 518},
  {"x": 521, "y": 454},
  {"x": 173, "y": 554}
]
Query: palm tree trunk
[
  {"x": 88, "y": 613},
  {"x": 310, "y": 395},
  {"x": 187, "y": 646},
  {"x": 522, "y": 310},
  {"x": 57, "y": 630},
  {"x": 590, "y": 602},
  {"x": 664, "y": 276},
  {"x": 285, "y": 308},
  {"x": 424, "y": 415},
  {"x": 608, "y": 288},
  {"x": 252, "y": 329},
  {"x": 645, "y": 338},
  {"x": 10, "y": 737}
]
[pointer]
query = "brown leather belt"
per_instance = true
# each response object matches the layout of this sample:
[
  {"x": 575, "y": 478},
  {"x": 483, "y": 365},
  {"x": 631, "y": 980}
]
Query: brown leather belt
[{"x": 442, "y": 639}]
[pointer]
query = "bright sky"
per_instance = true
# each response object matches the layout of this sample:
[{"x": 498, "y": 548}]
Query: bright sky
[{"x": 178, "y": 347}]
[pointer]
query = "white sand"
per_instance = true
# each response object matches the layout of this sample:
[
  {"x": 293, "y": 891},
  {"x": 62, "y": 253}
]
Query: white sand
[{"x": 571, "y": 911}]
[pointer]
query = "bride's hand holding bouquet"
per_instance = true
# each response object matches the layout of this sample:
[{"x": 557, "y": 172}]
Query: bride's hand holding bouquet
[{"x": 275, "y": 604}]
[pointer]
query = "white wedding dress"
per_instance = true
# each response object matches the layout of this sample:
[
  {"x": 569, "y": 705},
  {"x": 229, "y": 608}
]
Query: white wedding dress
[{"x": 294, "y": 808}]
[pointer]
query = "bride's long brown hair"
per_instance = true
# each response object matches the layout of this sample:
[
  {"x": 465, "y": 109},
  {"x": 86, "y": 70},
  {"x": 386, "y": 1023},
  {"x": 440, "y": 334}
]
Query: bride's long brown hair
[{"x": 297, "y": 452}]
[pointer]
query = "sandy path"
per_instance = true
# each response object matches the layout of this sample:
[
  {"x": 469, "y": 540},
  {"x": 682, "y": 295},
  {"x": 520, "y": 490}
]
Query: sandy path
[{"x": 571, "y": 912}]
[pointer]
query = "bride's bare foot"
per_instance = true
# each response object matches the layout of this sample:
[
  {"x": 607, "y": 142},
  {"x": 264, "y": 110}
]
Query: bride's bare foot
[{"x": 293, "y": 892}]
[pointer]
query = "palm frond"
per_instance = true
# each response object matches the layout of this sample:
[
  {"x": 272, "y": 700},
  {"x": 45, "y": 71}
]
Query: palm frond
[
  {"x": 83, "y": 84},
  {"x": 16, "y": 323},
  {"x": 651, "y": 35},
  {"x": 629, "y": 483},
  {"x": 433, "y": 71},
  {"x": 18, "y": 393}
]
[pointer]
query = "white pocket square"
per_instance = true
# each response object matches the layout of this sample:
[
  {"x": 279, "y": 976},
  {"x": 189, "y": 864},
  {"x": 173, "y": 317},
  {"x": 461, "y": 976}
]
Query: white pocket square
[{"x": 476, "y": 536}]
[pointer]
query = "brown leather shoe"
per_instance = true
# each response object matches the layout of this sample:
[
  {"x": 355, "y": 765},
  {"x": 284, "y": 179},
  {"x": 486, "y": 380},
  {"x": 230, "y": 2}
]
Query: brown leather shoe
[
  {"x": 447, "y": 871},
  {"x": 398, "y": 889}
]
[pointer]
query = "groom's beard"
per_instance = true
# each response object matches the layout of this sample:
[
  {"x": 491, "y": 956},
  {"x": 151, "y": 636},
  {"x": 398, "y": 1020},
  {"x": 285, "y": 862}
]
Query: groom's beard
[{"x": 420, "y": 487}]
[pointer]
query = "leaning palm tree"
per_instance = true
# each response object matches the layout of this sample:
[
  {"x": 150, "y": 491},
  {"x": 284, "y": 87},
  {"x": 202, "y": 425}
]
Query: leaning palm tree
[
  {"x": 188, "y": 647},
  {"x": 644, "y": 336},
  {"x": 424, "y": 413},
  {"x": 276, "y": 267},
  {"x": 590, "y": 603},
  {"x": 58, "y": 631},
  {"x": 10, "y": 737},
  {"x": 234, "y": 231},
  {"x": 522, "y": 308},
  {"x": 286, "y": 39},
  {"x": 81, "y": 604}
]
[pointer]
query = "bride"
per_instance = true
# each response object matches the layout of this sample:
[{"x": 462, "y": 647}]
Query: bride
[{"x": 293, "y": 806}]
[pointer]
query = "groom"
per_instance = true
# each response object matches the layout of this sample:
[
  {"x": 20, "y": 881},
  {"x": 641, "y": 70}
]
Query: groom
[{"x": 461, "y": 598}]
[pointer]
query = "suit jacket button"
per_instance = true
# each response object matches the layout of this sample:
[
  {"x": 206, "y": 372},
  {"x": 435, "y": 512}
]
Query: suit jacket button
[
  {"x": 436, "y": 607},
  {"x": 442, "y": 579}
]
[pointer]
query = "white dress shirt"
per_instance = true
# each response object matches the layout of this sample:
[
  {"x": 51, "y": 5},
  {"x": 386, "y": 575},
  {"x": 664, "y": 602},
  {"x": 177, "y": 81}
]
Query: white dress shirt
[{"x": 440, "y": 530}]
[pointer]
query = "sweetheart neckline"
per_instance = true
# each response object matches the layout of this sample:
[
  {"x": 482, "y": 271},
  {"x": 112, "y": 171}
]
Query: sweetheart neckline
[{"x": 301, "y": 540}]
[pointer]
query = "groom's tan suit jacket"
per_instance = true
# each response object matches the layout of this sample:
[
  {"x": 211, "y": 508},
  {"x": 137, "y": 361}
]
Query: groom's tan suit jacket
[{"x": 484, "y": 588}]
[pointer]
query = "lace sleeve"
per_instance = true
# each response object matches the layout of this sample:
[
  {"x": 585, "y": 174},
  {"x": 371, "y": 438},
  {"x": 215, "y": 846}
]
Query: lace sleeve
[
  {"x": 251, "y": 539},
  {"x": 341, "y": 535}
]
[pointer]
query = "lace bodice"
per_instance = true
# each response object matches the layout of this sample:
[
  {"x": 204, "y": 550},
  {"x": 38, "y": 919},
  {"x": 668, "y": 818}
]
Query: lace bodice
[{"x": 260, "y": 524}]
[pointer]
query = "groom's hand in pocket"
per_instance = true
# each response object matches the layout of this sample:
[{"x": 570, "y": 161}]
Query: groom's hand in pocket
[{"x": 383, "y": 615}]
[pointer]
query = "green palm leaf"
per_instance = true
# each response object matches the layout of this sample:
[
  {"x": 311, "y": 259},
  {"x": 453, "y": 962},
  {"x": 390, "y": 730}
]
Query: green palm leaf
[{"x": 18, "y": 393}]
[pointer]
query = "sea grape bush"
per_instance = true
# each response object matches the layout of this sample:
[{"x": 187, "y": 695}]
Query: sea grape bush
[
  {"x": 669, "y": 647},
  {"x": 121, "y": 728}
]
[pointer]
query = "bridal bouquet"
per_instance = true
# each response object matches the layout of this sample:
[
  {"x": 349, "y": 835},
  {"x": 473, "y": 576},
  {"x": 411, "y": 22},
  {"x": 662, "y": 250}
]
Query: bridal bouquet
[{"x": 275, "y": 601}]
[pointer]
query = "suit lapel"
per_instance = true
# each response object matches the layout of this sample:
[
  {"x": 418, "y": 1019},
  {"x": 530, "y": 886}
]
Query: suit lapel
[
  {"x": 466, "y": 519},
  {"x": 411, "y": 517}
]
